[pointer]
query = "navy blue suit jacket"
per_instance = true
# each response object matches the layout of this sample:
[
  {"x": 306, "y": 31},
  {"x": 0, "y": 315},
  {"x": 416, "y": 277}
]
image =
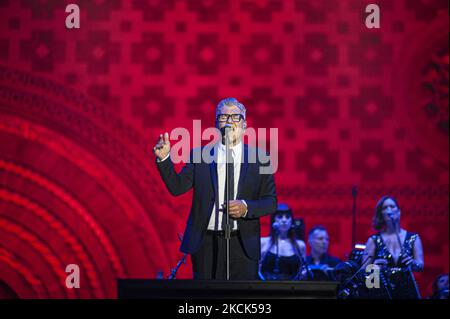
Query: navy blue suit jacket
[{"x": 258, "y": 191}]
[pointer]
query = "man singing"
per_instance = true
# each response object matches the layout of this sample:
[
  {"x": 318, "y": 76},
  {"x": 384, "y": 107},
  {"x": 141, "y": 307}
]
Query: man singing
[{"x": 251, "y": 194}]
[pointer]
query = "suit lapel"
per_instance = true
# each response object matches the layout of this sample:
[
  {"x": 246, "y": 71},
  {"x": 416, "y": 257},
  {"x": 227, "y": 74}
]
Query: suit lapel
[{"x": 213, "y": 172}]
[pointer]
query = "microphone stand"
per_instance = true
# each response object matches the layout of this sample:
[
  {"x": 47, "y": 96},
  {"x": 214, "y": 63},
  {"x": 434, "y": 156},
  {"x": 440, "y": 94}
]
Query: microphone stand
[
  {"x": 276, "y": 267},
  {"x": 174, "y": 271},
  {"x": 354, "y": 193},
  {"x": 309, "y": 273},
  {"x": 227, "y": 206}
]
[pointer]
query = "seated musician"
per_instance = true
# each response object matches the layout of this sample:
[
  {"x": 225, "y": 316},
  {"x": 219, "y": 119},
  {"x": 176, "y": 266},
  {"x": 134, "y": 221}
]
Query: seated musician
[{"x": 319, "y": 261}]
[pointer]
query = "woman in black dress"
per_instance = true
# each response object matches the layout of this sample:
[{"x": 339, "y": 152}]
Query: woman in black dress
[
  {"x": 395, "y": 250},
  {"x": 282, "y": 254}
]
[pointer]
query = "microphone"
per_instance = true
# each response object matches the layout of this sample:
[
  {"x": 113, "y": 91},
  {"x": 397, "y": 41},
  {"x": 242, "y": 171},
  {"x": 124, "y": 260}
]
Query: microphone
[
  {"x": 276, "y": 225},
  {"x": 223, "y": 129}
]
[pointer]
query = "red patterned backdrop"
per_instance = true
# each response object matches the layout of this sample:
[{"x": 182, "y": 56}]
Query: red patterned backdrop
[{"x": 80, "y": 111}]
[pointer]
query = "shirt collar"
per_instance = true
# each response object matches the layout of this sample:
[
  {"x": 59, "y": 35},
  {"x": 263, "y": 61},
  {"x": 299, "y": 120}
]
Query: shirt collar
[{"x": 236, "y": 149}]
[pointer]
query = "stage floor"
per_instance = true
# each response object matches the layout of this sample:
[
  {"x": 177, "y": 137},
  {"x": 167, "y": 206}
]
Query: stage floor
[{"x": 199, "y": 289}]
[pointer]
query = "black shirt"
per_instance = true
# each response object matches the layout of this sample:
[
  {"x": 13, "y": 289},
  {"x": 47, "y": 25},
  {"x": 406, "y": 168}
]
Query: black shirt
[
  {"x": 320, "y": 274},
  {"x": 288, "y": 266},
  {"x": 325, "y": 260}
]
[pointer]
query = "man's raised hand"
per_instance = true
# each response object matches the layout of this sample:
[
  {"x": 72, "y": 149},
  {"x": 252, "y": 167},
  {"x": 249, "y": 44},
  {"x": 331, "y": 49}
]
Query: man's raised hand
[{"x": 162, "y": 147}]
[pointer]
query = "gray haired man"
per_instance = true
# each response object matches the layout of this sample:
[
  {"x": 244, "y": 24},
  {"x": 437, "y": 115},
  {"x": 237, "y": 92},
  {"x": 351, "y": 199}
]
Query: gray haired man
[{"x": 251, "y": 195}]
